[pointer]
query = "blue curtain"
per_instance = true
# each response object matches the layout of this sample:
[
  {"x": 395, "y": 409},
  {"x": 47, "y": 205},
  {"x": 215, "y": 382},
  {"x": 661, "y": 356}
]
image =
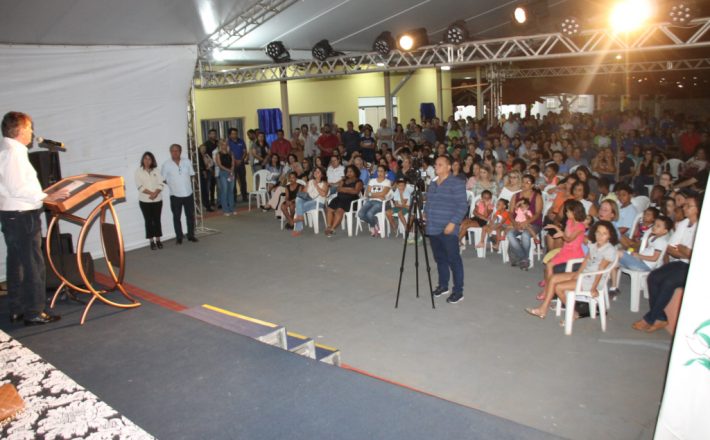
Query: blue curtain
[
  {"x": 269, "y": 122},
  {"x": 427, "y": 110}
]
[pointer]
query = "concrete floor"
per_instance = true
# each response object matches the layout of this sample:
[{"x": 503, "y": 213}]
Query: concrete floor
[{"x": 484, "y": 352}]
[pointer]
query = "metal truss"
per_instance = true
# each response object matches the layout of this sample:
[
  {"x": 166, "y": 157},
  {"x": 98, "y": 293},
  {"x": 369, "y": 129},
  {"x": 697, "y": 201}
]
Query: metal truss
[
  {"x": 659, "y": 36},
  {"x": 245, "y": 22},
  {"x": 608, "y": 69}
]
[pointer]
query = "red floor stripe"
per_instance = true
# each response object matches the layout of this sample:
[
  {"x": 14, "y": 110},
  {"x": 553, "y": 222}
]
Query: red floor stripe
[
  {"x": 399, "y": 384},
  {"x": 143, "y": 294}
]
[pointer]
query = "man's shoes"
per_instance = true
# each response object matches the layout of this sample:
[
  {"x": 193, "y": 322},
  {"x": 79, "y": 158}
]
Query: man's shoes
[
  {"x": 439, "y": 291},
  {"x": 42, "y": 318},
  {"x": 178, "y": 241},
  {"x": 153, "y": 246},
  {"x": 454, "y": 298},
  {"x": 192, "y": 239},
  {"x": 16, "y": 317},
  {"x": 159, "y": 244}
]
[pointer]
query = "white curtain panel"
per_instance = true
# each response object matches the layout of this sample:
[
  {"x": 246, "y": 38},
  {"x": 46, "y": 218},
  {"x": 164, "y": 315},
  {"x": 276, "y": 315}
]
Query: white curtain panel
[{"x": 109, "y": 105}]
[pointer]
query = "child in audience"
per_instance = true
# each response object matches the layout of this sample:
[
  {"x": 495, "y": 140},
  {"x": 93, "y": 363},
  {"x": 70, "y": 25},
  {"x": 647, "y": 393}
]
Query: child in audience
[
  {"x": 400, "y": 204},
  {"x": 668, "y": 208},
  {"x": 572, "y": 238},
  {"x": 499, "y": 225},
  {"x": 601, "y": 254},
  {"x": 524, "y": 214},
  {"x": 650, "y": 257},
  {"x": 481, "y": 215},
  {"x": 649, "y": 217}
]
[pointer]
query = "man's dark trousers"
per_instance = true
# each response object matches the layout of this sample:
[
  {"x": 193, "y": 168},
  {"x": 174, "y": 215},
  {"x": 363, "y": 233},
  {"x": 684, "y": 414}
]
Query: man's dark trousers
[
  {"x": 177, "y": 204},
  {"x": 25, "y": 263}
]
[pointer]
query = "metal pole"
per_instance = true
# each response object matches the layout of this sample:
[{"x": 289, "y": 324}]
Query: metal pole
[
  {"x": 388, "y": 100},
  {"x": 286, "y": 124},
  {"x": 439, "y": 97},
  {"x": 479, "y": 94}
]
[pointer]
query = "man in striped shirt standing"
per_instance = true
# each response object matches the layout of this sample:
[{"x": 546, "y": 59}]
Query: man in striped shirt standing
[{"x": 445, "y": 208}]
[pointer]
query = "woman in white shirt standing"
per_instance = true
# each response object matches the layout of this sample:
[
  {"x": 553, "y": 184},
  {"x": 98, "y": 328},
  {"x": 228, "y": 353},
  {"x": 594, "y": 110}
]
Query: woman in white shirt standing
[{"x": 149, "y": 182}]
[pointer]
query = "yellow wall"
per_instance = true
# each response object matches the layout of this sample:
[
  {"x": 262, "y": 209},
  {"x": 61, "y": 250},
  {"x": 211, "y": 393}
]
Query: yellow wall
[{"x": 338, "y": 95}]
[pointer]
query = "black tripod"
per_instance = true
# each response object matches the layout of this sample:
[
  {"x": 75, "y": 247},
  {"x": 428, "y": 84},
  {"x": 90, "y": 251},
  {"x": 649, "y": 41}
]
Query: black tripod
[{"x": 415, "y": 221}]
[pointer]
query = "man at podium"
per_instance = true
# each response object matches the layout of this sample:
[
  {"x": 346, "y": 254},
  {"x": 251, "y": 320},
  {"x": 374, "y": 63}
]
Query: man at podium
[{"x": 21, "y": 198}]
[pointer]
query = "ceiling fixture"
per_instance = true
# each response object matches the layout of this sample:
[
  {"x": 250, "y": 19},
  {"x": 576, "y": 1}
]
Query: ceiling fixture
[
  {"x": 323, "y": 50},
  {"x": 445, "y": 68},
  {"x": 384, "y": 44},
  {"x": 629, "y": 15},
  {"x": 277, "y": 51},
  {"x": 682, "y": 12},
  {"x": 520, "y": 15},
  {"x": 570, "y": 27},
  {"x": 413, "y": 39},
  {"x": 457, "y": 32},
  {"x": 217, "y": 54}
]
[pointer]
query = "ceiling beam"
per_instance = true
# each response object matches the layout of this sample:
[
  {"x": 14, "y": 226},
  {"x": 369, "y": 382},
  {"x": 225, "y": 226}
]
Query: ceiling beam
[{"x": 553, "y": 46}]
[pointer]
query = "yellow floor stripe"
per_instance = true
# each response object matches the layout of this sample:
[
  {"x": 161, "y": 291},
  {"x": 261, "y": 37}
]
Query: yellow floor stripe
[
  {"x": 296, "y": 335},
  {"x": 325, "y": 347},
  {"x": 237, "y": 315}
]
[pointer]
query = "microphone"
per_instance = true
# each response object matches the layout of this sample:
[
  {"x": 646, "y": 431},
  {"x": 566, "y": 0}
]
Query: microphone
[{"x": 41, "y": 140}]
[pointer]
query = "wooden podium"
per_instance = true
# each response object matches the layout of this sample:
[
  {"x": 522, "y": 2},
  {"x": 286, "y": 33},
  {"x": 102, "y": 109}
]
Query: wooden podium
[{"x": 82, "y": 190}]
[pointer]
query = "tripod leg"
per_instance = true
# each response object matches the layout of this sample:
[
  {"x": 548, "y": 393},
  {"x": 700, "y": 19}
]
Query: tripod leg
[
  {"x": 404, "y": 254},
  {"x": 416, "y": 255},
  {"x": 426, "y": 260}
]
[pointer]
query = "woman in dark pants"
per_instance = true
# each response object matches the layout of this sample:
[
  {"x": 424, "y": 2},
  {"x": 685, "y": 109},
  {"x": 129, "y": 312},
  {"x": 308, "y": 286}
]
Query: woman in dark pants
[
  {"x": 663, "y": 281},
  {"x": 150, "y": 187}
]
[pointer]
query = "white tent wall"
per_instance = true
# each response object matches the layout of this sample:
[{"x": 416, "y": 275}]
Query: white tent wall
[{"x": 109, "y": 105}]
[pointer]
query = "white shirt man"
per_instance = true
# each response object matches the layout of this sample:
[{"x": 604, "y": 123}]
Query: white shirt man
[
  {"x": 334, "y": 173},
  {"x": 309, "y": 141},
  {"x": 178, "y": 174},
  {"x": 21, "y": 199}
]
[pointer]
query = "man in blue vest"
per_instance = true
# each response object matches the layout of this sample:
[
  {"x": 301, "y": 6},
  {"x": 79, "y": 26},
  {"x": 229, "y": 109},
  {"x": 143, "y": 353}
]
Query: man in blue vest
[{"x": 239, "y": 150}]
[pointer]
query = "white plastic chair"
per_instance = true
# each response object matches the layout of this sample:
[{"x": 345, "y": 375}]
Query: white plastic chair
[
  {"x": 632, "y": 230},
  {"x": 638, "y": 278},
  {"x": 641, "y": 203},
  {"x": 260, "y": 193},
  {"x": 578, "y": 294},
  {"x": 311, "y": 217},
  {"x": 674, "y": 167}
]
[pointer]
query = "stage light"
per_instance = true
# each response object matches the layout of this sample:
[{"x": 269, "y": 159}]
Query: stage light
[
  {"x": 323, "y": 50},
  {"x": 217, "y": 54},
  {"x": 457, "y": 33},
  {"x": 618, "y": 57},
  {"x": 570, "y": 26},
  {"x": 629, "y": 15},
  {"x": 520, "y": 15},
  {"x": 277, "y": 51},
  {"x": 413, "y": 39},
  {"x": 682, "y": 12},
  {"x": 445, "y": 68},
  {"x": 384, "y": 44}
]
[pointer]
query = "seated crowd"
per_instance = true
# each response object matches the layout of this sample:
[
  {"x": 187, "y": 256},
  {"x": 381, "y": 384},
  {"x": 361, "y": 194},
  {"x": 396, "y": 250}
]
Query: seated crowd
[{"x": 598, "y": 189}]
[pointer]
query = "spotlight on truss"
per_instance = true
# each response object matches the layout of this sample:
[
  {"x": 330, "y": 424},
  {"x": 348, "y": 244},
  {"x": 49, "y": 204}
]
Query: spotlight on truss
[
  {"x": 323, "y": 50},
  {"x": 384, "y": 44},
  {"x": 570, "y": 27},
  {"x": 277, "y": 51},
  {"x": 412, "y": 40},
  {"x": 457, "y": 33},
  {"x": 682, "y": 12},
  {"x": 521, "y": 14}
]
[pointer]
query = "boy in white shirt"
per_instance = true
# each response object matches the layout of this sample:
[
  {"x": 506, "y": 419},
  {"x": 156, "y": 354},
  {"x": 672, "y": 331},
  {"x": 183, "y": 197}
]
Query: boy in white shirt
[{"x": 650, "y": 257}]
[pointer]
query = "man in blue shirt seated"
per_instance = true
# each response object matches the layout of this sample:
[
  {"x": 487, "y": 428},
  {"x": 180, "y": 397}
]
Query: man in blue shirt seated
[{"x": 444, "y": 210}]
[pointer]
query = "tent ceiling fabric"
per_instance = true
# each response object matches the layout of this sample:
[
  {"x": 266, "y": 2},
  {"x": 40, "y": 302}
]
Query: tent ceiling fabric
[{"x": 350, "y": 25}]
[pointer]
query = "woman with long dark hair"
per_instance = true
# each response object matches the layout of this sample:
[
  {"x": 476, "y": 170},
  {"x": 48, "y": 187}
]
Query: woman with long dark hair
[{"x": 149, "y": 182}]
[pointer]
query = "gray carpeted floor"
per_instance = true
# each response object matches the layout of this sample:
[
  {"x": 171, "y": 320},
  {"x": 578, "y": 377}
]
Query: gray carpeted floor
[
  {"x": 485, "y": 352},
  {"x": 179, "y": 378}
]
